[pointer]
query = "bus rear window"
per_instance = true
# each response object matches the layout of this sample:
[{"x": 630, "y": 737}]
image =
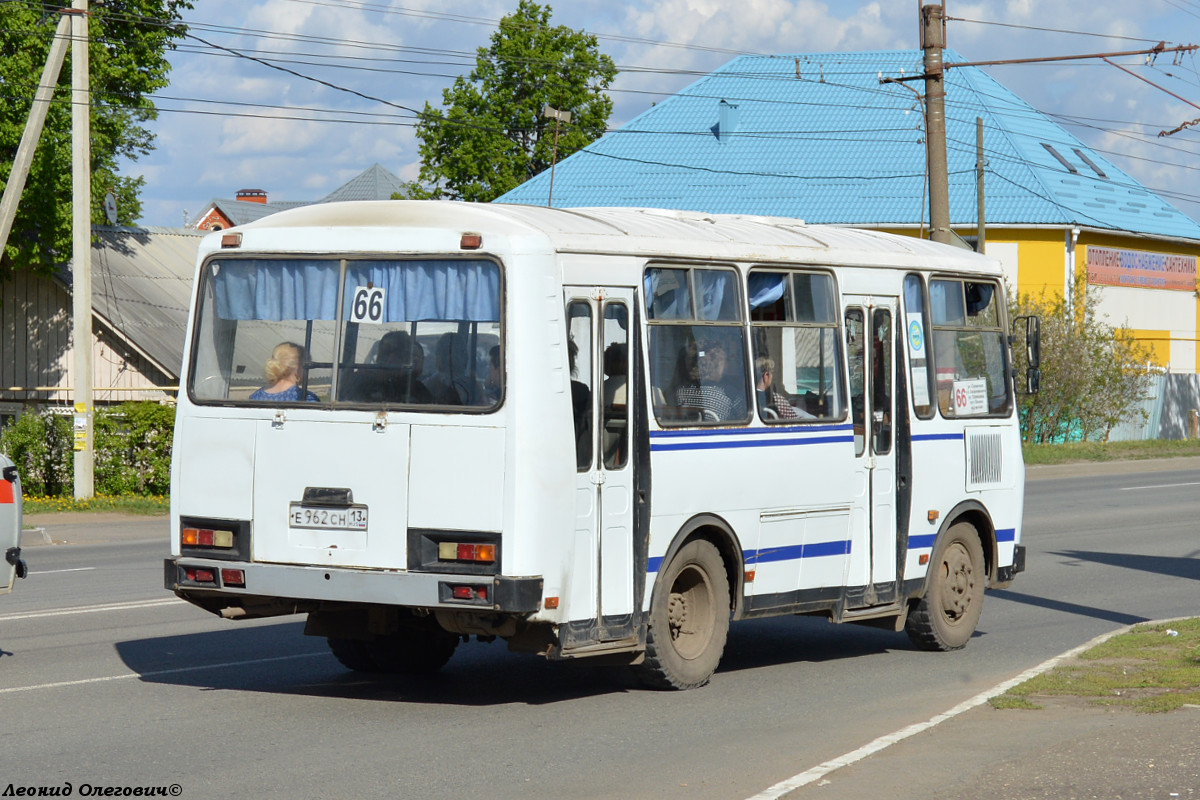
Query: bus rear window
[{"x": 419, "y": 333}]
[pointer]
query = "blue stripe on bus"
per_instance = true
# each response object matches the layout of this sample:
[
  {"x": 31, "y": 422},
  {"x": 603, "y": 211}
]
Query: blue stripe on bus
[
  {"x": 926, "y": 540},
  {"x": 922, "y": 541},
  {"x": 751, "y": 431},
  {"x": 934, "y": 437},
  {"x": 732, "y": 444},
  {"x": 790, "y": 553}
]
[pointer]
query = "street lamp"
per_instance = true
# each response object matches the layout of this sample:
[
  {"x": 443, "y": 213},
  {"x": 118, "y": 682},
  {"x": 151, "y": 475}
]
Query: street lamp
[{"x": 559, "y": 117}]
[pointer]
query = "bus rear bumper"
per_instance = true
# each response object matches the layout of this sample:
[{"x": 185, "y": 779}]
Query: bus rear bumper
[{"x": 218, "y": 584}]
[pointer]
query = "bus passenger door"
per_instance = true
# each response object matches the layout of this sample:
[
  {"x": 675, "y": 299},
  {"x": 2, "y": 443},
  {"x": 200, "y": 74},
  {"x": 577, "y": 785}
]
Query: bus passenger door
[
  {"x": 600, "y": 333},
  {"x": 870, "y": 344}
]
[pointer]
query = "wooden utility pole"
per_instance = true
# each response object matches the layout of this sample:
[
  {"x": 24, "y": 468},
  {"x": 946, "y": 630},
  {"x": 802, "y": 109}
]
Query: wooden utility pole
[
  {"x": 81, "y": 249},
  {"x": 932, "y": 28}
]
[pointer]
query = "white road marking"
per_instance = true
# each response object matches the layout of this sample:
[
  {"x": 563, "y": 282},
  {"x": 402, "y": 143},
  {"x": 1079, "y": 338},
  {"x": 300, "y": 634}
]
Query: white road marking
[
  {"x": 64, "y": 612},
  {"x": 55, "y": 571},
  {"x": 1159, "y": 486},
  {"x": 821, "y": 770},
  {"x": 155, "y": 673}
]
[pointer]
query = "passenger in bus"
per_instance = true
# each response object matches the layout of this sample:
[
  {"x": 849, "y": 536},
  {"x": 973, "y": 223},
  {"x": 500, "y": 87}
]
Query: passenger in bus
[
  {"x": 615, "y": 369},
  {"x": 772, "y": 403},
  {"x": 704, "y": 387},
  {"x": 283, "y": 371},
  {"x": 450, "y": 384},
  {"x": 491, "y": 387},
  {"x": 404, "y": 360},
  {"x": 581, "y": 407},
  {"x": 394, "y": 376}
]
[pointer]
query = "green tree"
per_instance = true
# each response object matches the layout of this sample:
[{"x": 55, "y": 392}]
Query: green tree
[
  {"x": 492, "y": 136},
  {"x": 127, "y": 61},
  {"x": 1093, "y": 374}
]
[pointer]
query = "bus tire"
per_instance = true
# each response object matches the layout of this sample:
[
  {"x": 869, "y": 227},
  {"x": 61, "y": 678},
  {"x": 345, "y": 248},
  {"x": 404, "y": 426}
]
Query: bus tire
[
  {"x": 946, "y": 616},
  {"x": 689, "y": 620},
  {"x": 412, "y": 651},
  {"x": 351, "y": 653}
]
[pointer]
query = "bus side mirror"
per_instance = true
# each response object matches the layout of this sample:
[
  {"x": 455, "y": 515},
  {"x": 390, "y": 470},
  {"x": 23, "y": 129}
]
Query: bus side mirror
[{"x": 1033, "y": 353}]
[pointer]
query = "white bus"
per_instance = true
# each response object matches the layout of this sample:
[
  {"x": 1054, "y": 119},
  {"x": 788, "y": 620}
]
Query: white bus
[{"x": 591, "y": 432}]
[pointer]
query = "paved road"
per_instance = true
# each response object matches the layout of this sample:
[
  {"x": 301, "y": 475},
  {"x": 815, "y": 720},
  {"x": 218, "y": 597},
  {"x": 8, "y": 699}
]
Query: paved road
[{"x": 155, "y": 692}]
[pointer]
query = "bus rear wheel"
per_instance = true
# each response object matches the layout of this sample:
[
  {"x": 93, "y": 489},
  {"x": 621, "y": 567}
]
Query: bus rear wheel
[
  {"x": 689, "y": 620},
  {"x": 946, "y": 616}
]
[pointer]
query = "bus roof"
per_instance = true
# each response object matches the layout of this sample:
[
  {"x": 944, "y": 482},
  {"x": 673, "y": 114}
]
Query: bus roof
[{"x": 632, "y": 231}]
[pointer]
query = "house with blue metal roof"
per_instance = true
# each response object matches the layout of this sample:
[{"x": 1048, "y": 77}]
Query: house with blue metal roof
[{"x": 826, "y": 138}]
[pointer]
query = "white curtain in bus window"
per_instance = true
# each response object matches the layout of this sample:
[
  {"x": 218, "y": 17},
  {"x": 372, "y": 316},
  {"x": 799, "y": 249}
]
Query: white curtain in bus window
[
  {"x": 969, "y": 348},
  {"x": 697, "y": 346},
  {"x": 266, "y": 331},
  {"x": 798, "y": 372}
]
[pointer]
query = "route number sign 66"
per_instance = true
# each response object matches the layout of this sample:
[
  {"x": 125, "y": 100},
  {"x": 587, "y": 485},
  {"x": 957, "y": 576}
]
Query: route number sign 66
[{"x": 368, "y": 305}]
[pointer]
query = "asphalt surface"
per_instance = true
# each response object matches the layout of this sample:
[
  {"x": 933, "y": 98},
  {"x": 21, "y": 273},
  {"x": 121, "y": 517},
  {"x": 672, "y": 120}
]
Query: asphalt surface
[{"x": 1067, "y": 750}]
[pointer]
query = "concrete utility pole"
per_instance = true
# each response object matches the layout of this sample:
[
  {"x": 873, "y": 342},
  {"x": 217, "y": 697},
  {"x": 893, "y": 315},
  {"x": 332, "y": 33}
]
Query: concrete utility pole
[
  {"x": 81, "y": 249},
  {"x": 932, "y": 42},
  {"x": 980, "y": 166},
  {"x": 33, "y": 129}
]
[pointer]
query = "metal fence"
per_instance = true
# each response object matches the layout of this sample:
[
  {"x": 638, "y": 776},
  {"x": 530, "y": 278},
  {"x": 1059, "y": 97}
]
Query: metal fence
[{"x": 1172, "y": 407}]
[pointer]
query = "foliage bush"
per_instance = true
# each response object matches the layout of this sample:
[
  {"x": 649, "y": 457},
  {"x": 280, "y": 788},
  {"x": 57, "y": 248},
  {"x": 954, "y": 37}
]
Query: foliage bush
[
  {"x": 1093, "y": 374},
  {"x": 132, "y": 450}
]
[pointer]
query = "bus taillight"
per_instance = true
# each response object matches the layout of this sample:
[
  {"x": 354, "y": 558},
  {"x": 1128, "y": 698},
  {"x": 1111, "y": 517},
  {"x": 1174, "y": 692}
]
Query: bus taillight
[
  {"x": 233, "y": 577},
  {"x": 465, "y": 551},
  {"x": 200, "y": 575},
  {"x": 205, "y": 537}
]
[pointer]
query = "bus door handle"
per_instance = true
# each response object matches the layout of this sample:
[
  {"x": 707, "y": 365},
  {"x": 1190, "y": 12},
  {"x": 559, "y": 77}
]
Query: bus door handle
[{"x": 597, "y": 478}]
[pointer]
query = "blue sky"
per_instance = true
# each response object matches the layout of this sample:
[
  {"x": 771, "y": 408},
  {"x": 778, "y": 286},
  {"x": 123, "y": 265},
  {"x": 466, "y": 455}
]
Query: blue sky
[{"x": 229, "y": 122}]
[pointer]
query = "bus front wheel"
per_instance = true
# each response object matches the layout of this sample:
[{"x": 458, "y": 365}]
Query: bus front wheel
[
  {"x": 946, "y": 616},
  {"x": 689, "y": 620}
]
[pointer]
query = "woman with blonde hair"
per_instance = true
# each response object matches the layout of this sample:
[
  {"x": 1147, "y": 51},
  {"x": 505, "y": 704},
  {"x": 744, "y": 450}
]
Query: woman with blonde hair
[{"x": 283, "y": 376}]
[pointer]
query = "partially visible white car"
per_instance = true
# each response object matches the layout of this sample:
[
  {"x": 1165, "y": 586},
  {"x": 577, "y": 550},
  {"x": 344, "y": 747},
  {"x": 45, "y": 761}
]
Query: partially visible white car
[{"x": 11, "y": 565}]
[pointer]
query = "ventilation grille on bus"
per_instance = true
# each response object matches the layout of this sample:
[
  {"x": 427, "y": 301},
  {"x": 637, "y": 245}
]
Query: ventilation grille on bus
[{"x": 985, "y": 464}]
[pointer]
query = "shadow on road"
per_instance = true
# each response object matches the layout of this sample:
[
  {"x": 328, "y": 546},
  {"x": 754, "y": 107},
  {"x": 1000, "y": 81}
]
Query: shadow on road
[
  {"x": 1068, "y": 608},
  {"x": 1185, "y": 567},
  {"x": 278, "y": 658}
]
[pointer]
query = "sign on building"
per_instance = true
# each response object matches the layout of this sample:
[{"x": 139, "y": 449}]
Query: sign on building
[{"x": 1140, "y": 269}]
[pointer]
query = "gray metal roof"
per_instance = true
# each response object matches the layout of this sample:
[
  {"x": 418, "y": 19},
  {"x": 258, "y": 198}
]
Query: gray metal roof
[
  {"x": 373, "y": 183},
  {"x": 142, "y": 287}
]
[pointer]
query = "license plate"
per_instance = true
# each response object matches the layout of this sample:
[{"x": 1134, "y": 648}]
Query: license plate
[{"x": 353, "y": 518}]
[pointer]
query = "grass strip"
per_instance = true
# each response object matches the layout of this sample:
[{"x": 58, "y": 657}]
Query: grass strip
[{"x": 1151, "y": 668}]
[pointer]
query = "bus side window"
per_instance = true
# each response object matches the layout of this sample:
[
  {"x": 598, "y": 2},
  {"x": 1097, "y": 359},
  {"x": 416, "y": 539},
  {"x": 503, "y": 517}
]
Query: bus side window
[
  {"x": 697, "y": 344},
  {"x": 855, "y": 344},
  {"x": 579, "y": 351},
  {"x": 615, "y": 435}
]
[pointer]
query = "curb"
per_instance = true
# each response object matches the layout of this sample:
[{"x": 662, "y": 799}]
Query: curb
[
  {"x": 883, "y": 742},
  {"x": 39, "y": 533}
]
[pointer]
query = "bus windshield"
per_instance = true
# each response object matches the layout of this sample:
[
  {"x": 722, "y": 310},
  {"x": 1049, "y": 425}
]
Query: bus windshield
[{"x": 419, "y": 333}]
